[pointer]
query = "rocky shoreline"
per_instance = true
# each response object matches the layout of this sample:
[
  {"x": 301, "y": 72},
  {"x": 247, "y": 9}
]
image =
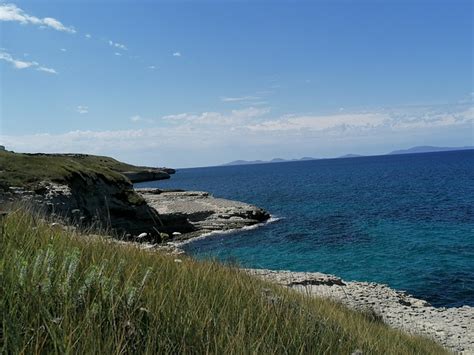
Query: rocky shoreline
[
  {"x": 451, "y": 327},
  {"x": 203, "y": 212}
]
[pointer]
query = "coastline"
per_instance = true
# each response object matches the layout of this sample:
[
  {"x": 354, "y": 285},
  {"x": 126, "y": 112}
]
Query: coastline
[
  {"x": 451, "y": 327},
  {"x": 152, "y": 216},
  {"x": 201, "y": 212}
]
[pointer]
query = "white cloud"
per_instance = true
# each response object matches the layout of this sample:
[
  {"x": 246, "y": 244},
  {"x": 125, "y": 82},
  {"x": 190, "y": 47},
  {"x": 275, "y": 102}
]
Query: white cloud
[
  {"x": 433, "y": 118},
  {"x": 63, "y": 50},
  {"x": 177, "y": 54},
  {"x": 10, "y": 12},
  {"x": 233, "y": 119},
  {"x": 118, "y": 54},
  {"x": 254, "y": 132},
  {"x": 82, "y": 109},
  {"x": 88, "y": 36},
  {"x": 47, "y": 70},
  {"x": 138, "y": 118},
  {"x": 152, "y": 67},
  {"x": 18, "y": 64},
  {"x": 240, "y": 98},
  {"x": 321, "y": 123},
  {"x": 117, "y": 45},
  {"x": 21, "y": 64}
]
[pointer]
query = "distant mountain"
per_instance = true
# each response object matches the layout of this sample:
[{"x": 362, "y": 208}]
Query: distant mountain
[
  {"x": 414, "y": 150},
  {"x": 351, "y": 156},
  {"x": 245, "y": 162},
  {"x": 428, "y": 149},
  {"x": 275, "y": 160}
]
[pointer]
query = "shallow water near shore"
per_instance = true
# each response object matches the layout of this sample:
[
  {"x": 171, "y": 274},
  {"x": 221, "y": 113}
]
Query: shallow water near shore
[{"x": 403, "y": 220}]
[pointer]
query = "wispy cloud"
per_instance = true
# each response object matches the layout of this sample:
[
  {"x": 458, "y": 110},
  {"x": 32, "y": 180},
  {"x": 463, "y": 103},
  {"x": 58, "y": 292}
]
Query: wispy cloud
[
  {"x": 47, "y": 70},
  {"x": 12, "y": 13},
  {"x": 88, "y": 36},
  {"x": 18, "y": 64},
  {"x": 239, "y": 98},
  {"x": 118, "y": 54},
  {"x": 63, "y": 50},
  {"x": 177, "y": 54},
  {"x": 138, "y": 118},
  {"x": 118, "y": 45},
  {"x": 233, "y": 119},
  {"x": 289, "y": 123},
  {"x": 21, "y": 64},
  {"x": 152, "y": 67},
  {"x": 82, "y": 109}
]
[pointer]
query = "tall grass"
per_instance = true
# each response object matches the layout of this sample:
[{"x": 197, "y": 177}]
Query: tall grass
[{"x": 66, "y": 293}]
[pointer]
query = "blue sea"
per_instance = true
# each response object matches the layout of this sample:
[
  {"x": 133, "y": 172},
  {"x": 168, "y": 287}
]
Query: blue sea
[{"x": 403, "y": 220}]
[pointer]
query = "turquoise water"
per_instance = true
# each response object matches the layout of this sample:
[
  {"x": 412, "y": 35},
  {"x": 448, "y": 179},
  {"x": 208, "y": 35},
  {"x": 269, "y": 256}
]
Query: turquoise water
[{"x": 405, "y": 220}]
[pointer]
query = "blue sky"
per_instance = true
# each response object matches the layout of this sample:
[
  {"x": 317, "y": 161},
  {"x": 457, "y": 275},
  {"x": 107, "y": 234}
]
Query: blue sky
[{"x": 193, "y": 83}]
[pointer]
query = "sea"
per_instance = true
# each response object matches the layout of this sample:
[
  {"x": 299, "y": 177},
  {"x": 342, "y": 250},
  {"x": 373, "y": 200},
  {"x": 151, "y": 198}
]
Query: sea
[{"x": 402, "y": 220}]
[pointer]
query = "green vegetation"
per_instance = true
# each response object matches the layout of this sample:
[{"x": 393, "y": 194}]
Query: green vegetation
[
  {"x": 66, "y": 293},
  {"x": 25, "y": 170}
]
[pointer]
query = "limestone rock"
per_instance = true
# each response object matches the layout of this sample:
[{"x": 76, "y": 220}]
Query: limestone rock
[{"x": 203, "y": 211}]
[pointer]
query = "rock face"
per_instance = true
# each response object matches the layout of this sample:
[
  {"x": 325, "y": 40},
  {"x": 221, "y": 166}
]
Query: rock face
[
  {"x": 204, "y": 212},
  {"x": 451, "y": 327},
  {"x": 168, "y": 170},
  {"x": 97, "y": 191},
  {"x": 95, "y": 201},
  {"x": 146, "y": 175}
]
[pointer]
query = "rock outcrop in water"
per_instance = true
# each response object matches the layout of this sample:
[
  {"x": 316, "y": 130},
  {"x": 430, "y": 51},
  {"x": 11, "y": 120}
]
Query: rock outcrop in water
[{"x": 203, "y": 211}]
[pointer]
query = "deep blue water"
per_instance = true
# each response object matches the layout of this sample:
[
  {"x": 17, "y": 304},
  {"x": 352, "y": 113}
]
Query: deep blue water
[{"x": 404, "y": 220}]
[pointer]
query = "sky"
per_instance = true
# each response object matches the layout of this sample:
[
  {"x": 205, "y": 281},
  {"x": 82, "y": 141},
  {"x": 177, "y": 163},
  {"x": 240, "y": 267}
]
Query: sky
[{"x": 199, "y": 83}]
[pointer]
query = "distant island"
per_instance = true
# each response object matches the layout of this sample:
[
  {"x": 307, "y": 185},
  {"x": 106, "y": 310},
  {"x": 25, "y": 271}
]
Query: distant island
[
  {"x": 275, "y": 160},
  {"x": 351, "y": 156},
  {"x": 413, "y": 150},
  {"x": 429, "y": 149}
]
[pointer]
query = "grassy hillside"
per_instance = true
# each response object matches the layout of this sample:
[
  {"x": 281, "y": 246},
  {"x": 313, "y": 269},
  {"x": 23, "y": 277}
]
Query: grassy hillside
[
  {"x": 18, "y": 169},
  {"x": 66, "y": 293}
]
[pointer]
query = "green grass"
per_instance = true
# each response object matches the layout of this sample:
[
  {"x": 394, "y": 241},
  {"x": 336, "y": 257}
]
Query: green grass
[
  {"x": 24, "y": 170},
  {"x": 66, "y": 293},
  {"x": 28, "y": 170}
]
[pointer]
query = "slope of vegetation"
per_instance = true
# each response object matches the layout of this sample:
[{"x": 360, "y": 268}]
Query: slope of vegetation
[
  {"x": 24, "y": 170},
  {"x": 62, "y": 292}
]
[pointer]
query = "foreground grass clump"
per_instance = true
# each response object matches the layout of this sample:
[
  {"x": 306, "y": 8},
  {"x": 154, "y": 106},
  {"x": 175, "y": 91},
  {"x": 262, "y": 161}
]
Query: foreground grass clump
[{"x": 62, "y": 293}]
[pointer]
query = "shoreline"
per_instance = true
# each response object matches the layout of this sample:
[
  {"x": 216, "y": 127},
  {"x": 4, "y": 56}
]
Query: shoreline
[
  {"x": 452, "y": 327},
  {"x": 200, "y": 235}
]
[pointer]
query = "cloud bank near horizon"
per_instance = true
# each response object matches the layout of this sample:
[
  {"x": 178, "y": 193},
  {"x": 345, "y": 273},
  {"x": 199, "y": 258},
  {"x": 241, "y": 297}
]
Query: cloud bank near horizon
[{"x": 207, "y": 138}]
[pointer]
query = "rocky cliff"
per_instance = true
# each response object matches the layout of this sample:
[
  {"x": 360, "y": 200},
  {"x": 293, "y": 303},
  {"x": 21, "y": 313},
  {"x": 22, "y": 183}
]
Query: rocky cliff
[{"x": 89, "y": 191}]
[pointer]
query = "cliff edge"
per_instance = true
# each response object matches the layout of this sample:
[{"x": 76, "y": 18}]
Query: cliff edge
[{"x": 95, "y": 191}]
